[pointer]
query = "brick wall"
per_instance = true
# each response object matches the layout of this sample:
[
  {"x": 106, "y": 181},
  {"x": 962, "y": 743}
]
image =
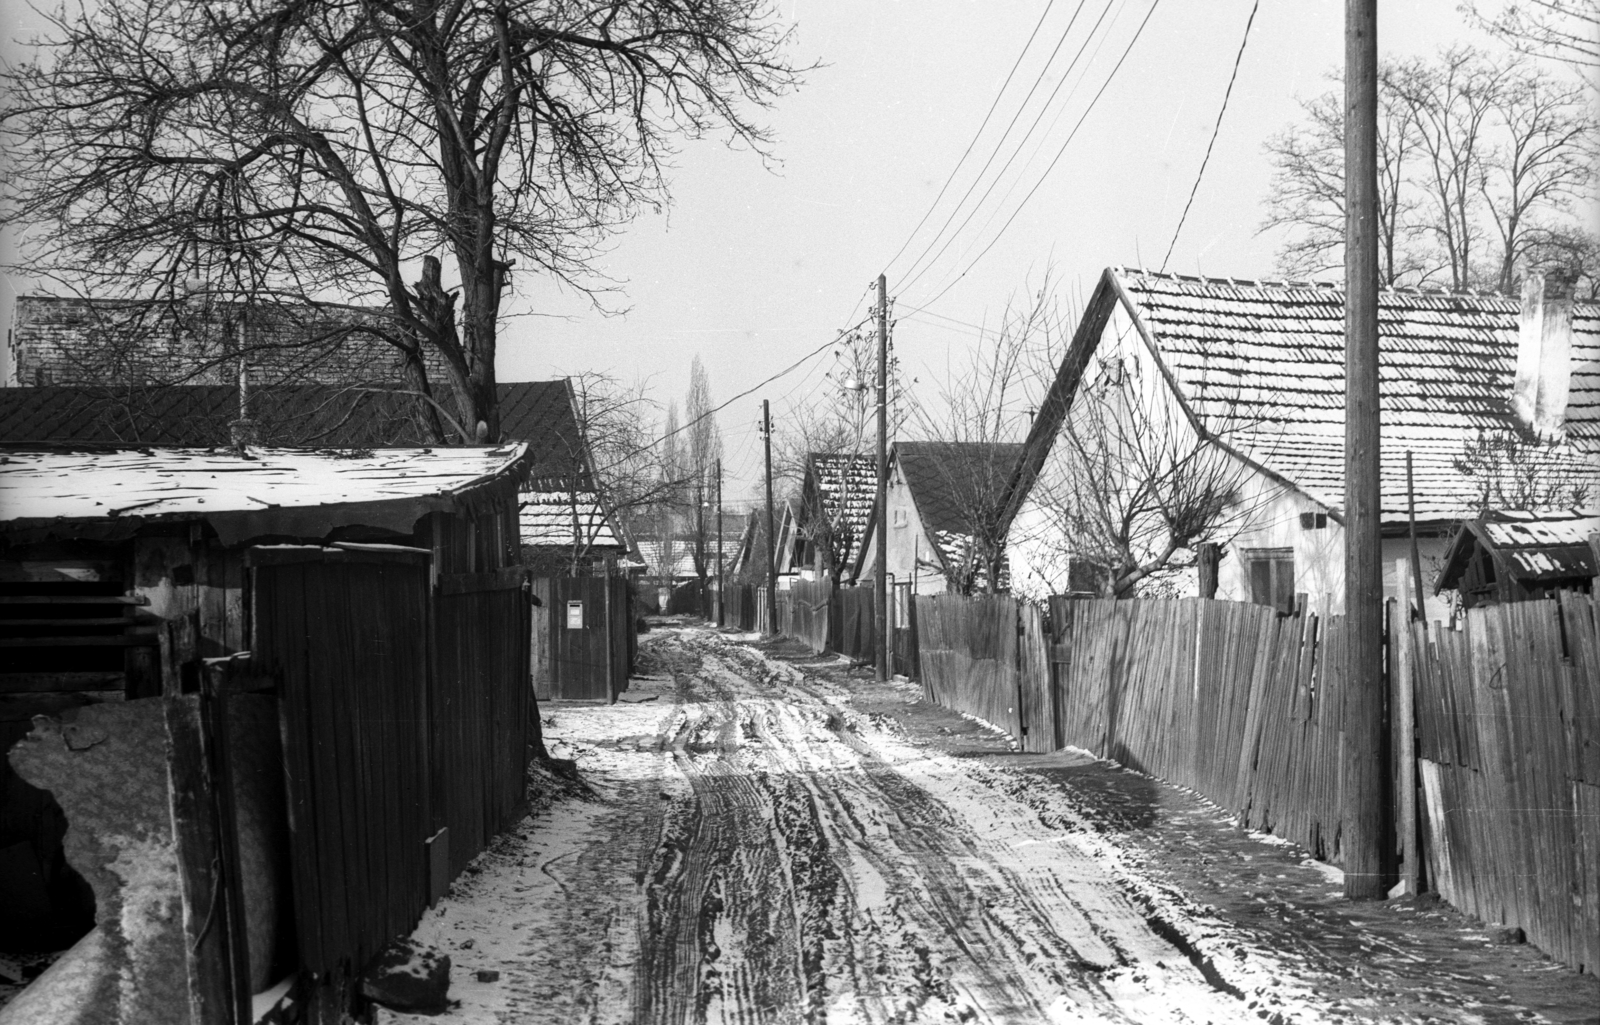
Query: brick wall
[{"x": 88, "y": 342}]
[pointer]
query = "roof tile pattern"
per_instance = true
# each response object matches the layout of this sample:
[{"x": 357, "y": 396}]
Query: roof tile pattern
[
  {"x": 563, "y": 519},
  {"x": 1264, "y": 365},
  {"x": 848, "y": 486},
  {"x": 538, "y": 412}
]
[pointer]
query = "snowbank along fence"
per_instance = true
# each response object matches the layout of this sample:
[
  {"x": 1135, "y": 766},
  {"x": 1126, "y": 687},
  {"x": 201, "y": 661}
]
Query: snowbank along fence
[{"x": 1245, "y": 706}]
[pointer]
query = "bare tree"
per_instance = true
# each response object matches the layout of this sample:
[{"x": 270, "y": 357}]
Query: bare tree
[
  {"x": 704, "y": 451},
  {"x": 341, "y": 151},
  {"x": 1509, "y": 472},
  {"x": 1482, "y": 165},
  {"x": 1565, "y": 30},
  {"x": 1132, "y": 489},
  {"x": 976, "y": 424},
  {"x": 827, "y": 448},
  {"x": 1307, "y": 192}
]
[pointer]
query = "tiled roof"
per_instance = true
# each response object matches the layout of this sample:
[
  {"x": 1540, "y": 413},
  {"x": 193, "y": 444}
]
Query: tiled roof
[
  {"x": 1263, "y": 364},
  {"x": 547, "y": 519},
  {"x": 682, "y": 559},
  {"x": 52, "y": 485},
  {"x": 538, "y": 412},
  {"x": 848, "y": 486},
  {"x": 1535, "y": 547},
  {"x": 948, "y": 480}
]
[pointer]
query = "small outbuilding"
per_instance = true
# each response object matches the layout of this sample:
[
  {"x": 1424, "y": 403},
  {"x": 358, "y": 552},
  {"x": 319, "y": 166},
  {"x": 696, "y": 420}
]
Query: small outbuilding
[
  {"x": 1510, "y": 557},
  {"x": 259, "y": 707}
]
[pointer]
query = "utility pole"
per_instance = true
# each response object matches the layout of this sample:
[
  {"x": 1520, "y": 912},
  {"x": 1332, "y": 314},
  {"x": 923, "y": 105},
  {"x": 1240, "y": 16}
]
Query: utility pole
[
  {"x": 721, "y": 581},
  {"x": 880, "y": 605},
  {"x": 772, "y": 561},
  {"x": 1364, "y": 756}
]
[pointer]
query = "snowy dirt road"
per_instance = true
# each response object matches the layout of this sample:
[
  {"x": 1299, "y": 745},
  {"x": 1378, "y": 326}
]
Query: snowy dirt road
[{"x": 755, "y": 851}]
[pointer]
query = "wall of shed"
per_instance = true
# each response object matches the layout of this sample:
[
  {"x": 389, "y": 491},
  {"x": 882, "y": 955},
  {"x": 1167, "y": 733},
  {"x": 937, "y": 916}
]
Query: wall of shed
[{"x": 192, "y": 574}]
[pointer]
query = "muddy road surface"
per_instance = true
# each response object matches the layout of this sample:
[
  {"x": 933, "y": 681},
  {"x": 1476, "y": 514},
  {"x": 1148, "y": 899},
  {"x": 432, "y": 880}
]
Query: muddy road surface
[{"x": 750, "y": 849}]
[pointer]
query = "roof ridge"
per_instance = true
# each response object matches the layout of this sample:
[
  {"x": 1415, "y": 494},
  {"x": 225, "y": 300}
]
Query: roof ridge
[{"x": 1125, "y": 271}]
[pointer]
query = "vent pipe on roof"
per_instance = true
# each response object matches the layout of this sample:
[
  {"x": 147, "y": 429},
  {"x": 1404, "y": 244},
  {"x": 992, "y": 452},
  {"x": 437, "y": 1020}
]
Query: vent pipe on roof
[{"x": 1544, "y": 355}]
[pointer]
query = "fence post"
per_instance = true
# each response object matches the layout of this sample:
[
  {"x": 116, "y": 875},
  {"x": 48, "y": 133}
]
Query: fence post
[{"x": 1403, "y": 697}]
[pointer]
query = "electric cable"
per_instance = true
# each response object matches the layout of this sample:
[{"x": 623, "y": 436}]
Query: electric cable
[
  {"x": 1215, "y": 131},
  {"x": 1059, "y": 153}
]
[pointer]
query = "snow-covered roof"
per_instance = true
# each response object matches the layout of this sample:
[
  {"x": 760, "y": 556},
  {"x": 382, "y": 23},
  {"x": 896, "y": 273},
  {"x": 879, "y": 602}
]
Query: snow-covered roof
[
  {"x": 1534, "y": 546},
  {"x": 42, "y": 486},
  {"x": 1270, "y": 357},
  {"x": 547, "y": 519}
]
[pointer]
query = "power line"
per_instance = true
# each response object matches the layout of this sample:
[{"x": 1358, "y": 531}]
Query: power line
[
  {"x": 1000, "y": 142},
  {"x": 1059, "y": 153},
  {"x": 1021, "y": 144},
  {"x": 748, "y": 391},
  {"x": 976, "y": 135},
  {"x": 1215, "y": 131}
]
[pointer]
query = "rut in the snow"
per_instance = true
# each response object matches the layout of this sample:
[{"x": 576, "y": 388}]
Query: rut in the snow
[{"x": 801, "y": 874}]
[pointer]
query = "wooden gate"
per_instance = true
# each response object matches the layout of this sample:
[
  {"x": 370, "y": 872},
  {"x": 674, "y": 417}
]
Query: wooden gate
[
  {"x": 480, "y": 706},
  {"x": 345, "y": 632},
  {"x": 581, "y": 637}
]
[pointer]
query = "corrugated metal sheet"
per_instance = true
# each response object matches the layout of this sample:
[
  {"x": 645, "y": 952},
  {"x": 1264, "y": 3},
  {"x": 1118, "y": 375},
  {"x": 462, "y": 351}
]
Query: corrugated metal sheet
[
  {"x": 1265, "y": 364},
  {"x": 55, "y": 485}
]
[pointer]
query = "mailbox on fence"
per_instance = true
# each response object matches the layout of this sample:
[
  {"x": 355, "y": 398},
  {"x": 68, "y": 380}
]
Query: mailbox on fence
[{"x": 574, "y": 615}]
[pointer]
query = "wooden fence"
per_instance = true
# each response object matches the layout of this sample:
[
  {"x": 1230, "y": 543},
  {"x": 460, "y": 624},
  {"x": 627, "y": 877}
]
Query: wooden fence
[
  {"x": 1508, "y": 733},
  {"x": 1227, "y": 698},
  {"x": 346, "y": 636},
  {"x": 583, "y": 638},
  {"x": 480, "y": 709},
  {"x": 1245, "y": 706}
]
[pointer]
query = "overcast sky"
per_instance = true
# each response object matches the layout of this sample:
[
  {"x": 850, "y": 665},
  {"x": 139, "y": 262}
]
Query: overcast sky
[{"x": 752, "y": 267}]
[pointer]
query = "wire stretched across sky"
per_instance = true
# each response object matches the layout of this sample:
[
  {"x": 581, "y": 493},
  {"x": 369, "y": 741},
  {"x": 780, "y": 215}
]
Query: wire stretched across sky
[
  {"x": 1215, "y": 131},
  {"x": 975, "y": 135},
  {"x": 744, "y": 394},
  {"x": 999, "y": 143},
  {"x": 914, "y": 274},
  {"x": 1055, "y": 160}
]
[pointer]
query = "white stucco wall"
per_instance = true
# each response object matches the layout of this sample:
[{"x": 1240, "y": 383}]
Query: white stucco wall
[{"x": 1266, "y": 515}]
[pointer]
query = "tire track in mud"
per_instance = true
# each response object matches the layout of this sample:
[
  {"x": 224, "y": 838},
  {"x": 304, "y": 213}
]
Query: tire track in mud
[{"x": 802, "y": 874}]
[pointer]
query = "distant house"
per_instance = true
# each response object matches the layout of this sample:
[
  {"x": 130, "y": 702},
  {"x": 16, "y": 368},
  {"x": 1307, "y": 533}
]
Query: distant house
[
  {"x": 1508, "y": 557},
  {"x": 831, "y": 520},
  {"x": 1494, "y": 399},
  {"x": 201, "y": 650},
  {"x": 944, "y": 500}
]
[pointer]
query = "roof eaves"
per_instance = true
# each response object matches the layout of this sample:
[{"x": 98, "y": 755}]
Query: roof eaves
[{"x": 1134, "y": 314}]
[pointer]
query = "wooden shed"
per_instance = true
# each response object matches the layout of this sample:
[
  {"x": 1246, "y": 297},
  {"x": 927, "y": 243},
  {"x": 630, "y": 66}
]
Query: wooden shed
[
  {"x": 299, "y": 679},
  {"x": 1509, "y": 557}
]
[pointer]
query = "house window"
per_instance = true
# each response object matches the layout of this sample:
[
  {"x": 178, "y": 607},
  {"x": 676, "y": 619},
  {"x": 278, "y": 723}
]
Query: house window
[
  {"x": 1271, "y": 576},
  {"x": 899, "y": 517},
  {"x": 1314, "y": 521}
]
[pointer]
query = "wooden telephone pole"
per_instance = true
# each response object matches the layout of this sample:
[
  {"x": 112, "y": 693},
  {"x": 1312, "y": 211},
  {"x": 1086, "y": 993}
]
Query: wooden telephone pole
[
  {"x": 721, "y": 581},
  {"x": 1364, "y": 761},
  {"x": 880, "y": 604},
  {"x": 772, "y": 561}
]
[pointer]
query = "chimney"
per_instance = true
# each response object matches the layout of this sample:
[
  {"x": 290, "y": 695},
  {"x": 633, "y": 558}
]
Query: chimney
[{"x": 1544, "y": 355}]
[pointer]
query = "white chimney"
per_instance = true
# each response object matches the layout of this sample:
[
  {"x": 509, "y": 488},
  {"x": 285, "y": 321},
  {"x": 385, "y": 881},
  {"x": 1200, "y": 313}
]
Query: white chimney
[{"x": 1544, "y": 355}]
